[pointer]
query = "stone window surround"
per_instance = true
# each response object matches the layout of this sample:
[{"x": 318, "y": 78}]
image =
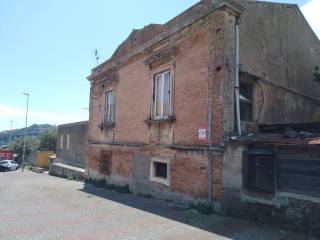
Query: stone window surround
[
  {"x": 153, "y": 178},
  {"x": 155, "y": 71},
  {"x": 107, "y": 88},
  {"x": 109, "y": 113}
]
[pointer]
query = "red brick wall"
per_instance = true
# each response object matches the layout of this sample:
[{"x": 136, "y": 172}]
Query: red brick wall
[
  {"x": 195, "y": 76},
  {"x": 133, "y": 91},
  {"x": 122, "y": 162},
  {"x": 189, "y": 175}
]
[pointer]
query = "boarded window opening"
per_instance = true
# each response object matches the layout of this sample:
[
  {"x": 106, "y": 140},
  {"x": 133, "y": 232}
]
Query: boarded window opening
[
  {"x": 105, "y": 162},
  {"x": 299, "y": 171},
  {"x": 259, "y": 173}
]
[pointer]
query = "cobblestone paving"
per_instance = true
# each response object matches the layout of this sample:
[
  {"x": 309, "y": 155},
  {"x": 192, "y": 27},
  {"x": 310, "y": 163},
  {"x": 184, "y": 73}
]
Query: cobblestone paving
[{"x": 37, "y": 206}]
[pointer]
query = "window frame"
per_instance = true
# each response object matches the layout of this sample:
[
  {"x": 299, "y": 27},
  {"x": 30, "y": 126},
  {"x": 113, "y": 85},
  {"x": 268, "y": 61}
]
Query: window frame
[
  {"x": 153, "y": 177},
  {"x": 109, "y": 110},
  {"x": 155, "y": 92},
  {"x": 258, "y": 165},
  {"x": 247, "y": 101}
]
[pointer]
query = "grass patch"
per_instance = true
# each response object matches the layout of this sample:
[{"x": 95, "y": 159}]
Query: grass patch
[
  {"x": 203, "y": 208},
  {"x": 26, "y": 166},
  {"x": 101, "y": 183},
  {"x": 70, "y": 178}
]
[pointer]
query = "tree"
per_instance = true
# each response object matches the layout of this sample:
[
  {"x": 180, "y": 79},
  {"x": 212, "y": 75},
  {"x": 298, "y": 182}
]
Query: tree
[
  {"x": 48, "y": 140},
  {"x": 17, "y": 146}
]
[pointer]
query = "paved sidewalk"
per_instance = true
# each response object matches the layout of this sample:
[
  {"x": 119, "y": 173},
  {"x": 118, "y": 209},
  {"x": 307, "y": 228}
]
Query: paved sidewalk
[{"x": 37, "y": 206}]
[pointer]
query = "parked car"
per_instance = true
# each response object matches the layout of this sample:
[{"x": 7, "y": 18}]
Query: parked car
[{"x": 8, "y": 165}]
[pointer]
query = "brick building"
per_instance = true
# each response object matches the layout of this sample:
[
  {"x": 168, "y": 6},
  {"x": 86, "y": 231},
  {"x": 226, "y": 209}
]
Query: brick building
[{"x": 164, "y": 106}]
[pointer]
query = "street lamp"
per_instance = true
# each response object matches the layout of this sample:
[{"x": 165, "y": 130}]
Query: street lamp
[
  {"x": 25, "y": 131},
  {"x": 11, "y": 131}
]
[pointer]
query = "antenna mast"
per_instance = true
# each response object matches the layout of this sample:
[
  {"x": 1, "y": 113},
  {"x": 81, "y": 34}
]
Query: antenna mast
[{"x": 97, "y": 56}]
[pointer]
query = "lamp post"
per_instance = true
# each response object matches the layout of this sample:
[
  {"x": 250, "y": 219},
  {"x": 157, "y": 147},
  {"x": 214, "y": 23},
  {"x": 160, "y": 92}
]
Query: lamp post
[
  {"x": 11, "y": 131},
  {"x": 25, "y": 131}
]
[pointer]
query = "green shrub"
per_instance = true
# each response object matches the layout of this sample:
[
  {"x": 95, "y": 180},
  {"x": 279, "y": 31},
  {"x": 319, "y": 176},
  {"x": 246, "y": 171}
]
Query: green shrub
[
  {"x": 26, "y": 166},
  {"x": 203, "y": 208},
  {"x": 103, "y": 184},
  {"x": 71, "y": 178}
]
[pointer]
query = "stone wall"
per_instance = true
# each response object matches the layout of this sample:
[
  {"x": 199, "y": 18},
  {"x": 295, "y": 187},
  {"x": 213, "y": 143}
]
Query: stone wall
[{"x": 296, "y": 212}]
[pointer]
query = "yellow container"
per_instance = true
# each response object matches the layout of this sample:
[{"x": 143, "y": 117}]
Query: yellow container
[{"x": 42, "y": 159}]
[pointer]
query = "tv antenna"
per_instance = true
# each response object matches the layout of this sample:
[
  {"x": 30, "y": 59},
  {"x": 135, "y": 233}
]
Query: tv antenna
[{"x": 96, "y": 53}]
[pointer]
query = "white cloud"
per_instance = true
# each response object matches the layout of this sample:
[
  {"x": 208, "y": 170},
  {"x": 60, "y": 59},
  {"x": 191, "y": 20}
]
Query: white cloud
[
  {"x": 8, "y": 113},
  {"x": 311, "y": 11}
]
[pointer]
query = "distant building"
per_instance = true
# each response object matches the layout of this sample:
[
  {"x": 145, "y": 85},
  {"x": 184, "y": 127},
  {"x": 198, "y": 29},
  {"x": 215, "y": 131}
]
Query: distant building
[
  {"x": 71, "y": 139},
  {"x": 6, "y": 154}
]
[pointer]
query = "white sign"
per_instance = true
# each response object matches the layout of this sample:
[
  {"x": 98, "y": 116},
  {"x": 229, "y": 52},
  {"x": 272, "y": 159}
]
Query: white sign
[{"x": 202, "y": 134}]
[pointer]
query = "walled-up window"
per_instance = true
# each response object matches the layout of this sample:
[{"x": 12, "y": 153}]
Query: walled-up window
[
  {"x": 68, "y": 141},
  {"x": 246, "y": 102},
  {"x": 105, "y": 162},
  {"x": 61, "y": 141},
  {"x": 162, "y": 94},
  {"x": 109, "y": 107}
]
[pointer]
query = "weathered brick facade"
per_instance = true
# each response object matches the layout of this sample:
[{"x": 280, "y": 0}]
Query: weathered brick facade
[
  {"x": 196, "y": 66},
  {"x": 198, "y": 49}
]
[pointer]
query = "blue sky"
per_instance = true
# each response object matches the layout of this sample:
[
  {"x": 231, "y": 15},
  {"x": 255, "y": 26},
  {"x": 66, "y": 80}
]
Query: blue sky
[{"x": 47, "y": 49}]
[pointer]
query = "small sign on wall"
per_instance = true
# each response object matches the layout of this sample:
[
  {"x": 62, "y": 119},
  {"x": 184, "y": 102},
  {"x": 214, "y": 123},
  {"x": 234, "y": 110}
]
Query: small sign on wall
[{"x": 202, "y": 134}]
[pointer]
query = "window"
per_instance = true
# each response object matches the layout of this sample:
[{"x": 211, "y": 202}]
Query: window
[
  {"x": 105, "y": 162},
  {"x": 61, "y": 141},
  {"x": 246, "y": 102},
  {"x": 68, "y": 141},
  {"x": 159, "y": 171},
  {"x": 259, "y": 171},
  {"x": 162, "y": 95},
  {"x": 109, "y": 108}
]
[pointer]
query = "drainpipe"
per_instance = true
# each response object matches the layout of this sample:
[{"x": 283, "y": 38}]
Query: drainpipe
[
  {"x": 209, "y": 156},
  {"x": 237, "y": 77}
]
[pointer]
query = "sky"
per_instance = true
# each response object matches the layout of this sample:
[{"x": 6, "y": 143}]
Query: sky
[{"x": 47, "y": 50}]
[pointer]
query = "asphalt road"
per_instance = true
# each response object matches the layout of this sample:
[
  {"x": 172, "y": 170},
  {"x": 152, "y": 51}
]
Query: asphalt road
[{"x": 38, "y": 206}]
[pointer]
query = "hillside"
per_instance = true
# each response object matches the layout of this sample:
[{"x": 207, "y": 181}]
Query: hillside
[{"x": 33, "y": 130}]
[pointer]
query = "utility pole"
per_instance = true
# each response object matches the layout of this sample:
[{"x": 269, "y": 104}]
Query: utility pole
[
  {"x": 25, "y": 131},
  {"x": 11, "y": 131}
]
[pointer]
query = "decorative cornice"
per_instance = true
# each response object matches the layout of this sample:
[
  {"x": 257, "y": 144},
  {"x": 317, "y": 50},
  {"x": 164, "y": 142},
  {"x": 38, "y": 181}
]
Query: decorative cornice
[
  {"x": 226, "y": 5},
  {"x": 105, "y": 76},
  {"x": 161, "y": 55}
]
